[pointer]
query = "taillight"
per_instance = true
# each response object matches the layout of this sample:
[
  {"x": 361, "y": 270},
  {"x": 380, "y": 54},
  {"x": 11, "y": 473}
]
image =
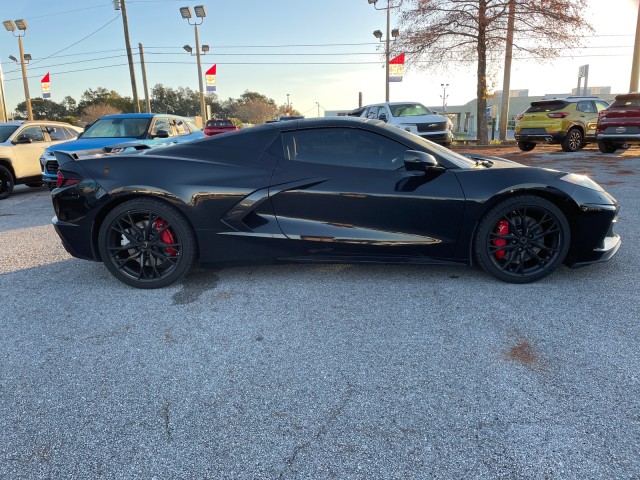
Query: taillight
[
  {"x": 519, "y": 116},
  {"x": 602, "y": 114},
  {"x": 63, "y": 181},
  {"x": 558, "y": 115}
]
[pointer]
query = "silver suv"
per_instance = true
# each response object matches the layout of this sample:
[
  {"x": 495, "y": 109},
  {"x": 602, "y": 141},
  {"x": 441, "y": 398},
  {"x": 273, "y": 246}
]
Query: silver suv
[
  {"x": 414, "y": 118},
  {"x": 21, "y": 144}
]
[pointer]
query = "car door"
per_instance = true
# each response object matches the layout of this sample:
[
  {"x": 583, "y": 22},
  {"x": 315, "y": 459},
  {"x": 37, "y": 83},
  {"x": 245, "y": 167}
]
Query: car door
[
  {"x": 345, "y": 191},
  {"x": 589, "y": 117},
  {"x": 27, "y": 155}
]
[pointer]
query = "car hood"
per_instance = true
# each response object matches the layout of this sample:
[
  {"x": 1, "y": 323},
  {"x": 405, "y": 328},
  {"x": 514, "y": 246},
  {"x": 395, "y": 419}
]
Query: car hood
[
  {"x": 420, "y": 119},
  {"x": 89, "y": 144}
]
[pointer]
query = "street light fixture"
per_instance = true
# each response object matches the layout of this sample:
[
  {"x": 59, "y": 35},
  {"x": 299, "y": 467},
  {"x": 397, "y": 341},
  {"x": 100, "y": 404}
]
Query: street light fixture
[
  {"x": 21, "y": 26},
  {"x": 27, "y": 57},
  {"x": 188, "y": 48},
  {"x": 390, "y": 33},
  {"x": 200, "y": 13},
  {"x": 11, "y": 57},
  {"x": 444, "y": 97}
]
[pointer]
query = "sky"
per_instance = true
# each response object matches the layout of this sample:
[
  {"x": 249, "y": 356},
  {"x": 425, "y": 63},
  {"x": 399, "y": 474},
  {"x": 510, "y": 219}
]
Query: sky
[{"x": 317, "y": 53}]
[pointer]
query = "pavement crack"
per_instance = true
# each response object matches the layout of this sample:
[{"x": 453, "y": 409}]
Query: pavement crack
[
  {"x": 164, "y": 414},
  {"x": 331, "y": 418}
]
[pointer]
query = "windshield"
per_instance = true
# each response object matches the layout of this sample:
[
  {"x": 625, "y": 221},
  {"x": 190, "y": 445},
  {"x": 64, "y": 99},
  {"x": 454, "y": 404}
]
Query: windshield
[
  {"x": 409, "y": 109},
  {"x": 6, "y": 131},
  {"x": 543, "y": 107},
  {"x": 455, "y": 158},
  {"x": 118, "y": 128}
]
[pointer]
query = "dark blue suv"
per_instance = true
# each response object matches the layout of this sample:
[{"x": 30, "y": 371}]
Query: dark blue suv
[{"x": 122, "y": 130}]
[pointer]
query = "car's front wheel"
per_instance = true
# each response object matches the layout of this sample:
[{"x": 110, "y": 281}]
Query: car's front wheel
[
  {"x": 526, "y": 146},
  {"x": 573, "y": 141},
  {"x": 522, "y": 239},
  {"x": 147, "y": 243},
  {"x": 6, "y": 182},
  {"x": 607, "y": 147}
]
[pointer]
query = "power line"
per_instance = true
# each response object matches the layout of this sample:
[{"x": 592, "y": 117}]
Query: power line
[{"x": 71, "y": 11}]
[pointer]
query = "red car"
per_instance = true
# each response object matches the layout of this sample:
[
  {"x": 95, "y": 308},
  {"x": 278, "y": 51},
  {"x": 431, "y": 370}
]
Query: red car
[
  {"x": 217, "y": 125},
  {"x": 619, "y": 124}
]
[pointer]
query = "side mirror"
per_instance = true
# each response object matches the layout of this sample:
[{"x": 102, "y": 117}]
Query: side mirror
[
  {"x": 161, "y": 134},
  {"x": 383, "y": 117},
  {"x": 23, "y": 139},
  {"x": 421, "y": 161}
]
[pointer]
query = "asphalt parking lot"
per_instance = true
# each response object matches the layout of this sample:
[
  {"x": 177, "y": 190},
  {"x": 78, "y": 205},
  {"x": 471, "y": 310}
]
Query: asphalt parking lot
[{"x": 320, "y": 372}]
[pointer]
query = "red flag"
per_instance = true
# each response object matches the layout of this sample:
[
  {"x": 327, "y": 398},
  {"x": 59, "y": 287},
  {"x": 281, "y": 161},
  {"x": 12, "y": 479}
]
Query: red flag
[{"x": 396, "y": 68}]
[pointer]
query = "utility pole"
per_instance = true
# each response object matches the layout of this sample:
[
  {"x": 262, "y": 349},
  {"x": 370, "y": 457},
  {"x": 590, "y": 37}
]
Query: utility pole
[
  {"x": 132, "y": 73},
  {"x": 144, "y": 79},
  {"x": 635, "y": 66},
  {"x": 3, "y": 102},
  {"x": 506, "y": 82}
]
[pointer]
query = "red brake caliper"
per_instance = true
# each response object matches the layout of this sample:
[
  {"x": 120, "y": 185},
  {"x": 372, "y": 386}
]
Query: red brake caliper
[
  {"x": 503, "y": 229},
  {"x": 166, "y": 236}
]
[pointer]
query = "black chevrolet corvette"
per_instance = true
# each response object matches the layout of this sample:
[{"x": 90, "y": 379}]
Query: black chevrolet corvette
[{"x": 326, "y": 190}]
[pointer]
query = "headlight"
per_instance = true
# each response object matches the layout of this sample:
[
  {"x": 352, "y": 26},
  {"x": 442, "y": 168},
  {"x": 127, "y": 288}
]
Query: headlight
[{"x": 582, "y": 181}]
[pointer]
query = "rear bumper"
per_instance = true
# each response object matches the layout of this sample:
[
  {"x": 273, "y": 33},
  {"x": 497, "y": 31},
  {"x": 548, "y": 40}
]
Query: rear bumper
[
  {"x": 541, "y": 137},
  {"x": 619, "y": 138}
]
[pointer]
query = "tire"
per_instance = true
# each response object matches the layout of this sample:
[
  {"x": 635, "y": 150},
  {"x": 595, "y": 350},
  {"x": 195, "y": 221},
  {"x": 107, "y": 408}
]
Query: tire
[
  {"x": 147, "y": 243},
  {"x": 607, "y": 147},
  {"x": 573, "y": 141},
  {"x": 526, "y": 146},
  {"x": 516, "y": 255},
  {"x": 7, "y": 182}
]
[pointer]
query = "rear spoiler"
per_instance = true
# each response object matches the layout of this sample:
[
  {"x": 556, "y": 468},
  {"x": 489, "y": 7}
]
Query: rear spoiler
[{"x": 64, "y": 157}]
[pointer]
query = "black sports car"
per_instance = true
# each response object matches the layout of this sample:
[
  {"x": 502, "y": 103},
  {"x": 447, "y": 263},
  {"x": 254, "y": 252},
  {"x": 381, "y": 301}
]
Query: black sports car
[{"x": 326, "y": 190}]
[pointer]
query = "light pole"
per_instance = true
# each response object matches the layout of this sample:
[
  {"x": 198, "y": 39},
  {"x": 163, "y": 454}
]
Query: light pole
[
  {"x": 200, "y": 13},
  {"x": 21, "y": 26},
  {"x": 390, "y": 33},
  {"x": 444, "y": 96},
  {"x": 288, "y": 112}
]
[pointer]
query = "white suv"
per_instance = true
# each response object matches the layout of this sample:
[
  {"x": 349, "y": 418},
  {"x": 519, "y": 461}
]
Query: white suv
[
  {"x": 414, "y": 118},
  {"x": 21, "y": 144}
]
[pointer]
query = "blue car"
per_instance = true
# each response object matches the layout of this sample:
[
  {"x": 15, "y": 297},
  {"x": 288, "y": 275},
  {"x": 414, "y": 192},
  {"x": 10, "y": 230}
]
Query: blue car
[{"x": 116, "y": 133}]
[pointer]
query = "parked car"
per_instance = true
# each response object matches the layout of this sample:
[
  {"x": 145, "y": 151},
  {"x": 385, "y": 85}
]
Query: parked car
[
  {"x": 619, "y": 124},
  {"x": 570, "y": 122},
  {"x": 335, "y": 189},
  {"x": 414, "y": 118},
  {"x": 148, "y": 129},
  {"x": 216, "y": 126},
  {"x": 21, "y": 144}
]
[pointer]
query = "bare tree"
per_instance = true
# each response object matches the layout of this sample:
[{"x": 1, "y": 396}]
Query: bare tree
[
  {"x": 447, "y": 33},
  {"x": 93, "y": 112}
]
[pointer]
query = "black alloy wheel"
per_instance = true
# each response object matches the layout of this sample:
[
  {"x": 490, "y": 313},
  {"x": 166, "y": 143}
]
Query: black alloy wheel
[
  {"x": 522, "y": 239},
  {"x": 573, "y": 141},
  {"x": 147, "y": 243},
  {"x": 526, "y": 146},
  {"x": 6, "y": 182},
  {"x": 607, "y": 147}
]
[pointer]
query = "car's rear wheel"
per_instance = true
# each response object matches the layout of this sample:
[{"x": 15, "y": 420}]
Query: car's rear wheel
[
  {"x": 522, "y": 239},
  {"x": 607, "y": 147},
  {"x": 146, "y": 243},
  {"x": 573, "y": 141},
  {"x": 526, "y": 146},
  {"x": 6, "y": 182}
]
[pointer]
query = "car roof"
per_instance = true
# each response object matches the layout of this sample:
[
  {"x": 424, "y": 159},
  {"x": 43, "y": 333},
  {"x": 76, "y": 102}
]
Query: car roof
[
  {"x": 628, "y": 96},
  {"x": 29, "y": 122},
  {"x": 140, "y": 115},
  {"x": 548, "y": 101}
]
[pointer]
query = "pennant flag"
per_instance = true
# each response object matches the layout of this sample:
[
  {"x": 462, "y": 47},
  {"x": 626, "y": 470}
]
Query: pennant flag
[
  {"x": 46, "y": 91},
  {"x": 396, "y": 68},
  {"x": 211, "y": 79}
]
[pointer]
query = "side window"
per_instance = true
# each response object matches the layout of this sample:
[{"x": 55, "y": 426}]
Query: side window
[
  {"x": 56, "y": 133},
  {"x": 586, "y": 107},
  {"x": 71, "y": 134},
  {"x": 601, "y": 105},
  {"x": 162, "y": 123},
  {"x": 180, "y": 126},
  {"x": 349, "y": 147},
  {"x": 34, "y": 132},
  {"x": 383, "y": 112}
]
